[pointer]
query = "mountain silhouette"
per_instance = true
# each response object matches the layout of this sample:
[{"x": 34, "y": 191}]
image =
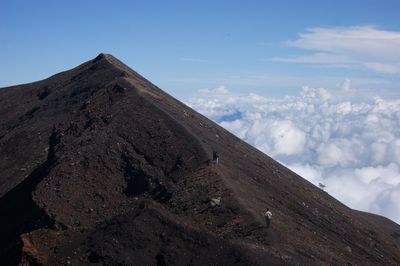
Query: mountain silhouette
[{"x": 99, "y": 166}]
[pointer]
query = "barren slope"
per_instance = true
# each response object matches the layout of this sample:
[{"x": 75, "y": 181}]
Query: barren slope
[{"x": 99, "y": 166}]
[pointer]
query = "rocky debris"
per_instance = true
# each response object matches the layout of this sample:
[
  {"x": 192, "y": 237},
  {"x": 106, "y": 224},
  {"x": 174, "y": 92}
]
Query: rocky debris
[
  {"x": 30, "y": 255},
  {"x": 348, "y": 250},
  {"x": 215, "y": 202}
]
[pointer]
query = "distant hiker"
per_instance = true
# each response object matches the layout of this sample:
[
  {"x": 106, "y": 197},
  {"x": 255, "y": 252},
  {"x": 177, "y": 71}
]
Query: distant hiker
[
  {"x": 215, "y": 157},
  {"x": 268, "y": 216}
]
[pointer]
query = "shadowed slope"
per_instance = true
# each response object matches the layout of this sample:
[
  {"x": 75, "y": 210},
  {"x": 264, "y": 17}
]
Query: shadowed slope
[{"x": 130, "y": 181}]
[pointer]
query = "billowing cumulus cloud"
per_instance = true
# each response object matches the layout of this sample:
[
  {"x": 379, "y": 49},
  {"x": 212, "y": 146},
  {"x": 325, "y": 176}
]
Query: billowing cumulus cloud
[{"x": 349, "y": 145}]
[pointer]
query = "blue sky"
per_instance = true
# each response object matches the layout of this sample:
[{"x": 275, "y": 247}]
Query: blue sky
[{"x": 184, "y": 46}]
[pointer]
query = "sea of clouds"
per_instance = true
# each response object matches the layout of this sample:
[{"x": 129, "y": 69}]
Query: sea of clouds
[{"x": 332, "y": 138}]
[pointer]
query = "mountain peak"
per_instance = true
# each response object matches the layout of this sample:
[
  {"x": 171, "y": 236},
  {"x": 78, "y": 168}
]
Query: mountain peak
[
  {"x": 98, "y": 165},
  {"x": 108, "y": 58},
  {"x": 102, "y": 56},
  {"x": 105, "y": 57}
]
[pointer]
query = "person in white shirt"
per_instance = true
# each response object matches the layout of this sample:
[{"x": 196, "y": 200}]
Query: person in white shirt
[{"x": 268, "y": 216}]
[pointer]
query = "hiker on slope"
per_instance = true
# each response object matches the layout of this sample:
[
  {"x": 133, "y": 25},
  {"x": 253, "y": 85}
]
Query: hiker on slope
[
  {"x": 215, "y": 157},
  {"x": 268, "y": 216}
]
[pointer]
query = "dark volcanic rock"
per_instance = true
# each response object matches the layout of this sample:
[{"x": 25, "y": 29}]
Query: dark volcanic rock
[{"x": 99, "y": 166}]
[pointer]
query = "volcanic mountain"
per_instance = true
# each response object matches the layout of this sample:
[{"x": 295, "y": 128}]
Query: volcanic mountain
[{"x": 99, "y": 166}]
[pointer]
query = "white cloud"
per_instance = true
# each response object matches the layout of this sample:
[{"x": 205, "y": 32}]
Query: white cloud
[
  {"x": 317, "y": 58},
  {"x": 353, "y": 148},
  {"x": 191, "y": 59},
  {"x": 287, "y": 138},
  {"x": 383, "y": 67},
  {"x": 363, "y": 41},
  {"x": 218, "y": 90},
  {"x": 366, "y": 47},
  {"x": 388, "y": 202}
]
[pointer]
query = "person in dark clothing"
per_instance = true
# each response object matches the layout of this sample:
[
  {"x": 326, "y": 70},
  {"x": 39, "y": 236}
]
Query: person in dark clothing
[{"x": 215, "y": 157}]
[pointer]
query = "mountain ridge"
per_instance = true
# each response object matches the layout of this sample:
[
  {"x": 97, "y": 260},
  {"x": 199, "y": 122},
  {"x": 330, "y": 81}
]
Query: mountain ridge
[{"x": 100, "y": 145}]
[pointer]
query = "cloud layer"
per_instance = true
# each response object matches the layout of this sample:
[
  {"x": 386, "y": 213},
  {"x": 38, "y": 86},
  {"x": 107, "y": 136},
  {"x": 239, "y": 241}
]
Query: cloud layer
[
  {"x": 365, "y": 47},
  {"x": 351, "y": 147}
]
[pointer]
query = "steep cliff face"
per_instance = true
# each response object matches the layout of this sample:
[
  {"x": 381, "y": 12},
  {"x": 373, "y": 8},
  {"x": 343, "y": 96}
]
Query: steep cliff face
[{"x": 99, "y": 166}]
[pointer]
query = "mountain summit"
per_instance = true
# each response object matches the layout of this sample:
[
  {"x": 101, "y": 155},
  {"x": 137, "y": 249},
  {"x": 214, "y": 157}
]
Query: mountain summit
[{"x": 99, "y": 166}]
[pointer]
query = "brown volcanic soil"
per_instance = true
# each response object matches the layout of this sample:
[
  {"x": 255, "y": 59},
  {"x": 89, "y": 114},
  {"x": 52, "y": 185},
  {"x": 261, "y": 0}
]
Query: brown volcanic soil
[{"x": 99, "y": 166}]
